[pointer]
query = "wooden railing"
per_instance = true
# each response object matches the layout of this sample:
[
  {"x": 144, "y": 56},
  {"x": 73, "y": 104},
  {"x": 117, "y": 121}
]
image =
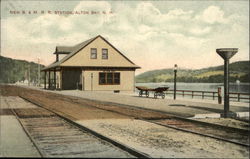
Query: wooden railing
[
  {"x": 203, "y": 94},
  {"x": 194, "y": 93},
  {"x": 239, "y": 96}
]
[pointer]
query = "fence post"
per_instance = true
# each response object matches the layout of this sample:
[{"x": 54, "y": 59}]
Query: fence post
[
  {"x": 238, "y": 97},
  {"x": 219, "y": 95},
  {"x": 183, "y": 93},
  {"x": 202, "y": 95},
  {"x": 192, "y": 94}
]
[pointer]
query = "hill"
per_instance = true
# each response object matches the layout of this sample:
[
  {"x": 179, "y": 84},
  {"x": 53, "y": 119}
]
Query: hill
[
  {"x": 238, "y": 71},
  {"x": 12, "y": 70}
]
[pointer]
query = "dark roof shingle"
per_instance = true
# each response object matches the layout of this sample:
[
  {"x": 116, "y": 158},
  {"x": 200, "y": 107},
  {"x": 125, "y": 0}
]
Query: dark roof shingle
[{"x": 74, "y": 49}]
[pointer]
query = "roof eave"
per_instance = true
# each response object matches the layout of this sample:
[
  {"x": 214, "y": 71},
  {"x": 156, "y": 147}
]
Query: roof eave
[
  {"x": 54, "y": 67},
  {"x": 50, "y": 67}
]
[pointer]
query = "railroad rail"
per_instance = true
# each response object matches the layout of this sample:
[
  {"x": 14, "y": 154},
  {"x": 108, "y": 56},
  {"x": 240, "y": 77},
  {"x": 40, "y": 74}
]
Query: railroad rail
[
  {"x": 56, "y": 136},
  {"x": 224, "y": 133},
  {"x": 215, "y": 131}
]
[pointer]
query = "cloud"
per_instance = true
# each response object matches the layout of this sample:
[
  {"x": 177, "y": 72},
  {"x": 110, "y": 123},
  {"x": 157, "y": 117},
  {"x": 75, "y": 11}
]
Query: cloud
[
  {"x": 141, "y": 31},
  {"x": 211, "y": 15},
  {"x": 200, "y": 31},
  {"x": 146, "y": 13},
  {"x": 178, "y": 14},
  {"x": 187, "y": 42},
  {"x": 93, "y": 6}
]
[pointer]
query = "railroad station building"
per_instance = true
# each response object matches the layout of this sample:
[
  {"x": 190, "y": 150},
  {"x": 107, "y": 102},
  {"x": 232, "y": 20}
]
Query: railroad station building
[{"x": 94, "y": 64}]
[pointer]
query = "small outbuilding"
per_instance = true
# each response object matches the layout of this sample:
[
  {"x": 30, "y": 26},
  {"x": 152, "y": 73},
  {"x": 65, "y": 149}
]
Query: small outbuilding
[{"x": 94, "y": 64}]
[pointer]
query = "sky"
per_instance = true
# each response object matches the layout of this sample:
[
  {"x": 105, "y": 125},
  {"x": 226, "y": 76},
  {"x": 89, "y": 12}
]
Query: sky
[{"x": 153, "y": 34}]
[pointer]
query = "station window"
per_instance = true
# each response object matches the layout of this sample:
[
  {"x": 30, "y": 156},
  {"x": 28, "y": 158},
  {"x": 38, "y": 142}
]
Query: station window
[
  {"x": 104, "y": 53},
  {"x": 93, "y": 53},
  {"x": 109, "y": 78}
]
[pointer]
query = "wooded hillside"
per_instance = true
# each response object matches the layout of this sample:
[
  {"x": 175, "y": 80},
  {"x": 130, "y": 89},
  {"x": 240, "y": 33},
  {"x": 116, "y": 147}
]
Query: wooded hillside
[
  {"x": 12, "y": 70},
  {"x": 238, "y": 71}
]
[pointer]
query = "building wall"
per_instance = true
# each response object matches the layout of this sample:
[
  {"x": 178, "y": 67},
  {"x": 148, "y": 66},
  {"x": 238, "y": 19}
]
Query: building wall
[
  {"x": 126, "y": 81},
  {"x": 82, "y": 58},
  {"x": 71, "y": 78}
]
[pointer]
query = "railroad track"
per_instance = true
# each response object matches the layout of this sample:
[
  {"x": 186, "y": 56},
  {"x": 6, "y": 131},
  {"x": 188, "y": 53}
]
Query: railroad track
[
  {"x": 228, "y": 134},
  {"x": 215, "y": 131},
  {"x": 57, "y": 136}
]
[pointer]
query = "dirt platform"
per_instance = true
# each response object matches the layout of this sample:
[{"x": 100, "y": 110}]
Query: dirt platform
[
  {"x": 152, "y": 139},
  {"x": 81, "y": 109},
  {"x": 227, "y": 122},
  {"x": 164, "y": 142}
]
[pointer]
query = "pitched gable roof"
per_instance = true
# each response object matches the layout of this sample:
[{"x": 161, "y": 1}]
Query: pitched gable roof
[
  {"x": 75, "y": 49},
  {"x": 116, "y": 49}
]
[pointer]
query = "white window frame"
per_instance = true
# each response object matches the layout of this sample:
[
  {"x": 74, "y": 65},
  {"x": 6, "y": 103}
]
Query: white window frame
[
  {"x": 93, "y": 55},
  {"x": 105, "y": 55}
]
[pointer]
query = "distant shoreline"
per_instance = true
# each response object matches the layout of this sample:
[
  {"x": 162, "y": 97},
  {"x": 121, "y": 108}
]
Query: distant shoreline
[{"x": 241, "y": 83}]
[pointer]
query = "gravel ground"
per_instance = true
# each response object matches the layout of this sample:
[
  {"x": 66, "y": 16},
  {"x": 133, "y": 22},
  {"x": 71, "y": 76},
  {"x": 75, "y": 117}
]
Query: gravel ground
[
  {"x": 75, "y": 111},
  {"x": 14, "y": 102},
  {"x": 227, "y": 122},
  {"x": 57, "y": 138},
  {"x": 158, "y": 141},
  {"x": 150, "y": 138},
  {"x": 48, "y": 131},
  {"x": 180, "y": 107}
]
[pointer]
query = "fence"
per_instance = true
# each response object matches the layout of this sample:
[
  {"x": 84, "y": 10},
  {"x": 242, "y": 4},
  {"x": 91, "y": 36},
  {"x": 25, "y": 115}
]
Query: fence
[
  {"x": 203, "y": 94},
  {"x": 240, "y": 96}
]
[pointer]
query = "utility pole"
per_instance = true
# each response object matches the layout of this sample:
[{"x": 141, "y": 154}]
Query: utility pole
[
  {"x": 175, "y": 72},
  {"x": 39, "y": 73}
]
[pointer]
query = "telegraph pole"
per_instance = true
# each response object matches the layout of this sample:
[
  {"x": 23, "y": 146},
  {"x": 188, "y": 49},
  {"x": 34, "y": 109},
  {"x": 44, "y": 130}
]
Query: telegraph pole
[
  {"x": 175, "y": 72},
  {"x": 39, "y": 73}
]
